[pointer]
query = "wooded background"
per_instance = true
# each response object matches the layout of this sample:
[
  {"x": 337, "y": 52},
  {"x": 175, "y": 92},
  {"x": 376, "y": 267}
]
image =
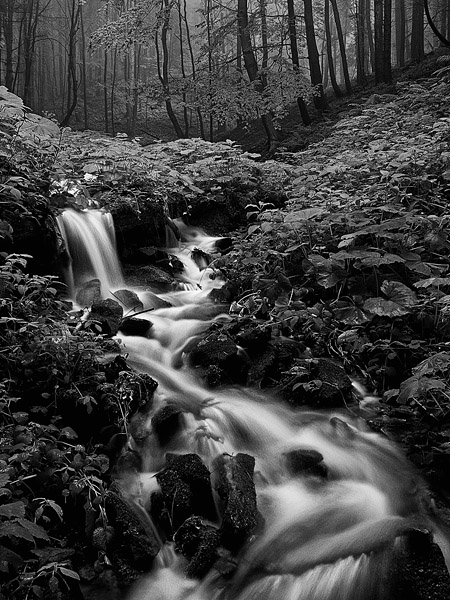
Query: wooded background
[{"x": 202, "y": 66}]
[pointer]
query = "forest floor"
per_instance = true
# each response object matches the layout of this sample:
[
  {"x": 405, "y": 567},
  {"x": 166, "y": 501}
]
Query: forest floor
[{"x": 340, "y": 253}]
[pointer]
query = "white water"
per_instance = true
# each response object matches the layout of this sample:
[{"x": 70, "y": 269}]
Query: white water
[{"x": 330, "y": 538}]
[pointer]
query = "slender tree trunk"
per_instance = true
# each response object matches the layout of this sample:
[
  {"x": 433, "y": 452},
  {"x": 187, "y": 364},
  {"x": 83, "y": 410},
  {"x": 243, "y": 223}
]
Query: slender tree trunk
[
  {"x": 163, "y": 70},
  {"x": 387, "y": 41},
  {"x": 210, "y": 69},
  {"x": 337, "y": 90},
  {"x": 8, "y": 37},
  {"x": 295, "y": 58},
  {"x": 193, "y": 69},
  {"x": 113, "y": 90},
  {"x": 417, "y": 37},
  {"x": 72, "y": 83},
  {"x": 313, "y": 57},
  {"x": 400, "y": 32},
  {"x": 337, "y": 20},
  {"x": 379, "y": 40},
  {"x": 251, "y": 67},
  {"x": 360, "y": 43},
  {"x": 83, "y": 67},
  {"x": 370, "y": 40},
  {"x": 105, "y": 90},
  {"x": 183, "y": 72}
]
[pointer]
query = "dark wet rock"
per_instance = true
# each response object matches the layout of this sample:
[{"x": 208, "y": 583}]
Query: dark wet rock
[
  {"x": 302, "y": 461},
  {"x": 115, "y": 367},
  {"x": 236, "y": 490},
  {"x": 316, "y": 382},
  {"x": 166, "y": 423},
  {"x": 186, "y": 489},
  {"x": 136, "y": 229},
  {"x": 254, "y": 337},
  {"x": 128, "y": 461},
  {"x": 132, "y": 548},
  {"x": 137, "y": 390},
  {"x": 138, "y": 428},
  {"x": 420, "y": 572},
  {"x": 278, "y": 356},
  {"x": 129, "y": 299},
  {"x": 152, "y": 301},
  {"x": 108, "y": 313},
  {"x": 198, "y": 542},
  {"x": 201, "y": 258},
  {"x": 218, "y": 350},
  {"x": 223, "y": 244},
  {"x": 135, "y": 326},
  {"x": 151, "y": 276},
  {"x": 90, "y": 293}
]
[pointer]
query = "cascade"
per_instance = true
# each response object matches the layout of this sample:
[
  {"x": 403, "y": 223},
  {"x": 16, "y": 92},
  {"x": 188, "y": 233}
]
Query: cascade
[
  {"x": 90, "y": 240},
  {"x": 329, "y": 535}
]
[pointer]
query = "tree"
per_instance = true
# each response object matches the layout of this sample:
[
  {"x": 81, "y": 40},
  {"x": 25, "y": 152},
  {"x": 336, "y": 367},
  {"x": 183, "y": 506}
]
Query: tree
[
  {"x": 400, "y": 32},
  {"x": 337, "y": 90},
  {"x": 417, "y": 34},
  {"x": 337, "y": 19},
  {"x": 292, "y": 28},
  {"x": 251, "y": 67},
  {"x": 313, "y": 57},
  {"x": 72, "y": 80}
]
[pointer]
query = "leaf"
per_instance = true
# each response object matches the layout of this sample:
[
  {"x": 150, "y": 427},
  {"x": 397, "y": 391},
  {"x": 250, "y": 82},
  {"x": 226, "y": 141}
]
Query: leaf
[
  {"x": 303, "y": 215},
  {"x": 351, "y": 315},
  {"x": 437, "y": 362},
  {"x": 36, "y": 530},
  {"x": 432, "y": 281},
  {"x": 384, "y": 308},
  {"x": 10, "y": 557},
  {"x": 416, "y": 387},
  {"x": 68, "y": 573},
  {"x": 15, "y": 530},
  {"x": 69, "y": 433},
  {"x": 13, "y": 509},
  {"x": 386, "y": 259},
  {"x": 4, "y": 478},
  {"x": 399, "y": 292}
]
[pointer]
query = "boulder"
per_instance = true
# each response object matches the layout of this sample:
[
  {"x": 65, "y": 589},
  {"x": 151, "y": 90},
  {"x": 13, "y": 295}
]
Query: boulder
[
  {"x": 218, "y": 351},
  {"x": 166, "y": 423},
  {"x": 108, "y": 313},
  {"x": 236, "y": 490},
  {"x": 198, "y": 542},
  {"x": 132, "y": 547},
  {"x": 135, "y": 326},
  {"x": 129, "y": 299},
  {"x": 185, "y": 486},
  {"x": 90, "y": 293},
  {"x": 302, "y": 461}
]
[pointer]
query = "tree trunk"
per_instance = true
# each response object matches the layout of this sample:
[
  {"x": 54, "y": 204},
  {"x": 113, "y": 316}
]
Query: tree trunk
[
  {"x": 387, "y": 41},
  {"x": 295, "y": 58},
  {"x": 194, "y": 74},
  {"x": 360, "y": 43},
  {"x": 400, "y": 32},
  {"x": 337, "y": 20},
  {"x": 337, "y": 90},
  {"x": 251, "y": 67},
  {"x": 183, "y": 72},
  {"x": 417, "y": 37},
  {"x": 370, "y": 40},
  {"x": 163, "y": 71},
  {"x": 320, "y": 101},
  {"x": 379, "y": 40},
  {"x": 83, "y": 68},
  {"x": 72, "y": 83}
]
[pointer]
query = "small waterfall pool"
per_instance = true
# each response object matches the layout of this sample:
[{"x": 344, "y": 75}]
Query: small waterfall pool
[{"x": 328, "y": 535}]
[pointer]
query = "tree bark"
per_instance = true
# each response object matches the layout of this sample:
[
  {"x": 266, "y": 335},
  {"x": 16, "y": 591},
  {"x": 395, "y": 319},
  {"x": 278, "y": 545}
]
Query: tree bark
[
  {"x": 400, "y": 32},
  {"x": 72, "y": 83},
  {"x": 360, "y": 43},
  {"x": 417, "y": 37},
  {"x": 292, "y": 27},
  {"x": 320, "y": 101},
  {"x": 387, "y": 41},
  {"x": 337, "y": 20},
  {"x": 337, "y": 90},
  {"x": 379, "y": 40},
  {"x": 251, "y": 67}
]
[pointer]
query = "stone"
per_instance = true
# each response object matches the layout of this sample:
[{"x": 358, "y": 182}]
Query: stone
[
  {"x": 132, "y": 548},
  {"x": 129, "y": 299},
  {"x": 198, "y": 542},
  {"x": 303, "y": 461},
  {"x": 90, "y": 293},
  {"x": 236, "y": 490},
  {"x": 166, "y": 423},
  {"x": 108, "y": 313},
  {"x": 135, "y": 326}
]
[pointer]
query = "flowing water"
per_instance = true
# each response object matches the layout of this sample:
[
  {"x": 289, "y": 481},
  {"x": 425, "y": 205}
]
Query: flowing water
[{"x": 322, "y": 538}]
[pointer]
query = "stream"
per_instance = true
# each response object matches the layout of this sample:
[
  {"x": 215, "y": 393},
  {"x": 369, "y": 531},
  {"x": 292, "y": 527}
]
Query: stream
[{"x": 328, "y": 533}]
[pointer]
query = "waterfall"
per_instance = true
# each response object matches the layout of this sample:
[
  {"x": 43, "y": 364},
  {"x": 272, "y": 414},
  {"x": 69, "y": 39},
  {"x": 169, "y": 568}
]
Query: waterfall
[
  {"x": 329, "y": 536},
  {"x": 91, "y": 243}
]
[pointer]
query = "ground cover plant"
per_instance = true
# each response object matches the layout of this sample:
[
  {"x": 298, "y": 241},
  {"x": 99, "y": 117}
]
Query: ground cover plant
[{"x": 342, "y": 254}]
